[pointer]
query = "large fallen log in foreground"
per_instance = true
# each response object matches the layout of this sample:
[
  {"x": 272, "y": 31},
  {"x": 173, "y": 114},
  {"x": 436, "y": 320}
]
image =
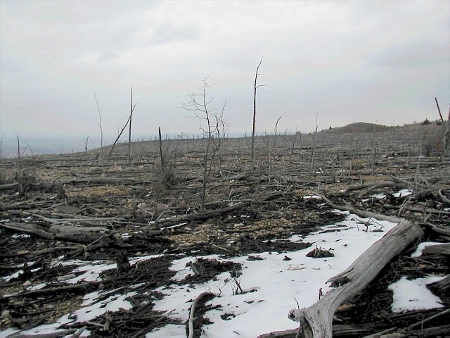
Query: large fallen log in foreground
[{"x": 316, "y": 320}]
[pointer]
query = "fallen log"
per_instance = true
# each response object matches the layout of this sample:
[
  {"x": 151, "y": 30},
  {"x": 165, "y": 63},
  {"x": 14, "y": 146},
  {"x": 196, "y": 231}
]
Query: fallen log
[
  {"x": 368, "y": 214},
  {"x": 339, "y": 330},
  {"x": 439, "y": 229},
  {"x": 440, "y": 249},
  {"x": 74, "y": 230},
  {"x": 316, "y": 320},
  {"x": 442, "y": 289},
  {"x": 102, "y": 180},
  {"x": 27, "y": 228},
  {"x": 162, "y": 223}
]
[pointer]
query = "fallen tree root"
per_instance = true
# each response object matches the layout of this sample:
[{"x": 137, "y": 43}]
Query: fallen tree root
[{"x": 316, "y": 320}]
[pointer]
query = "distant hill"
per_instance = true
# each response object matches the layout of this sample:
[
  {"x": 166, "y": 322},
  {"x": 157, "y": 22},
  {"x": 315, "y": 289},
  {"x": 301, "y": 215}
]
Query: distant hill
[{"x": 358, "y": 127}]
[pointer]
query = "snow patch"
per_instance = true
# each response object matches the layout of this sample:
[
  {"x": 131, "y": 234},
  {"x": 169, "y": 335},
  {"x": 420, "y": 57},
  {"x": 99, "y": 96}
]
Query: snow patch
[{"x": 413, "y": 294}]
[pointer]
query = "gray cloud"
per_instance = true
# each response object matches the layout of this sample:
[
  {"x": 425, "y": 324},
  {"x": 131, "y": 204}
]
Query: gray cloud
[{"x": 348, "y": 61}]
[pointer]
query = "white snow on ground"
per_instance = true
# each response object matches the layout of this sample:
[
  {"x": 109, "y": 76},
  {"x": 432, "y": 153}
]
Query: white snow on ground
[
  {"x": 403, "y": 193},
  {"x": 413, "y": 294},
  {"x": 271, "y": 286},
  {"x": 169, "y": 330},
  {"x": 398, "y": 194}
]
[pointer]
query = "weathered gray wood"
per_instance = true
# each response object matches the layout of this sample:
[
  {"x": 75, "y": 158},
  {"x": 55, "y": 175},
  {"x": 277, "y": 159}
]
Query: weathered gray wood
[
  {"x": 74, "y": 230},
  {"x": 27, "y": 228},
  {"x": 441, "y": 288},
  {"x": 316, "y": 320},
  {"x": 200, "y": 216},
  {"x": 440, "y": 249},
  {"x": 362, "y": 213},
  {"x": 442, "y": 230}
]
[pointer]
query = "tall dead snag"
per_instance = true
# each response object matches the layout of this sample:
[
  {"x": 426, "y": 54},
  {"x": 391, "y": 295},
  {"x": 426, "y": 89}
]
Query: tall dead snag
[
  {"x": 19, "y": 177},
  {"x": 99, "y": 122},
  {"x": 213, "y": 129},
  {"x": 163, "y": 164},
  {"x": 313, "y": 152},
  {"x": 255, "y": 87},
  {"x": 123, "y": 128},
  {"x": 129, "y": 126},
  {"x": 86, "y": 143},
  {"x": 166, "y": 175},
  {"x": 316, "y": 320},
  {"x": 446, "y": 129}
]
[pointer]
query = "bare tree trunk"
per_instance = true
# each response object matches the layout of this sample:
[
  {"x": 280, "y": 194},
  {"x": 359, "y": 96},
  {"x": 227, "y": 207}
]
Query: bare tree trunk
[
  {"x": 313, "y": 154},
  {"x": 255, "y": 86},
  {"x": 100, "y": 122},
  {"x": 118, "y": 136},
  {"x": 274, "y": 144},
  {"x": 163, "y": 165},
  {"x": 129, "y": 126},
  {"x": 214, "y": 122},
  {"x": 374, "y": 152},
  {"x": 86, "y": 142},
  {"x": 19, "y": 176},
  {"x": 205, "y": 176},
  {"x": 120, "y": 133},
  {"x": 446, "y": 130}
]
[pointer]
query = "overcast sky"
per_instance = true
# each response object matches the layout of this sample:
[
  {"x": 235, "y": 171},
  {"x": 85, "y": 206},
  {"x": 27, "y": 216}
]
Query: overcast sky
[{"x": 346, "y": 61}]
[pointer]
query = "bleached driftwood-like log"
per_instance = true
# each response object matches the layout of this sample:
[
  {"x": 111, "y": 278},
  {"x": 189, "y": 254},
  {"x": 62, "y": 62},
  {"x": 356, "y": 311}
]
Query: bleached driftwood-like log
[{"x": 316, "y": 320}]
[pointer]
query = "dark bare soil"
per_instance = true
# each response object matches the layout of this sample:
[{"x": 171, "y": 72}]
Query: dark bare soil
[{"x": 89, "y": 206}]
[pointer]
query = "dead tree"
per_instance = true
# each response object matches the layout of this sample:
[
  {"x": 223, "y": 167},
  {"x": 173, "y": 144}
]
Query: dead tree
[
  {"x": 19, "y": 177},
  {"x": 446, "y": 129},
  {"x": 99, "y": 122},
  {"x": 255, "y": 87},
  {"x": 166, "y": 174},
  {"x": 163, "y": 163},
  {"x": 313, "y": 153},
  {"x": 86, "y": 143},
  {"x": 120, "y": 133},
  {"x": 129, "y": 126},
  {"x": 213, "y": 129},
  {"x": 275, "y": 131}
]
